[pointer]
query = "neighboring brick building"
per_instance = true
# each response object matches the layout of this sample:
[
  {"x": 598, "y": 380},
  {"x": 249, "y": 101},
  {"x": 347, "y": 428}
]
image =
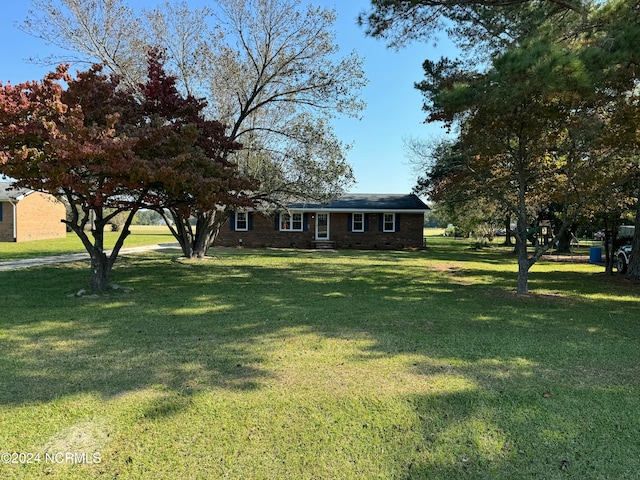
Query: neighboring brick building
[
  {"x": 28, "y": 215},
  {"x": 352, "y": 221}
]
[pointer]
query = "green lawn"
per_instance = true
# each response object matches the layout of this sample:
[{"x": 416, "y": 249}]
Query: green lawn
[
  {"x": 140, "y": 235},
  {"x": 303, "y": 365}
]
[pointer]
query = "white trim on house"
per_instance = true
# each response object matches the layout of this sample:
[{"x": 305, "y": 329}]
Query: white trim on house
[
  {"x": 239, "y": 221},
  {"x": 359, "y": 210},
  {"x": 354, "y": 221},
  {"x": 291, "y": 225},
  {"x": 14, "y": 206},
  {"x": 385, "y": 222},
  {"x": 318, "y": 237}
]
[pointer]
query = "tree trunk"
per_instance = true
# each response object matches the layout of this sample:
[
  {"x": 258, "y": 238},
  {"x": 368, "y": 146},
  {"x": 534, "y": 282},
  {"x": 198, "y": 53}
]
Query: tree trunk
[
  {"x": 633, "y": 271},
  {"x": 608, "y": 254},
  {"x": 201, "y": 239},
  {"x": 207, "y": 230},
  {"x": 181, "y": 229},
  {"x": 523, "y": 273},
  {"x": 100, "y": 271},
  {"x": 521, "y": 236},
  {"x": 101, "y": 263},
  {"x": 523, "y": 260},
  {"x": 564, "y": 241},
  {"x": 508, "y": 241},
  {"x": 196, "y": 243}
]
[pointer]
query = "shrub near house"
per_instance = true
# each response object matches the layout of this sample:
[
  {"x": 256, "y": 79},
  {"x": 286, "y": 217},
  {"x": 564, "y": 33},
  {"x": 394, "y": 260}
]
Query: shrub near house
[
  {"x": 28, "y": 215},
  {"x": 352, "y": 221}
]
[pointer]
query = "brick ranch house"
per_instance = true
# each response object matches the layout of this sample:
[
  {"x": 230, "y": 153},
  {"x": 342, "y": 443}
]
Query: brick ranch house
[
  {"x": 29, "y": 215},
  {"x": 356, "y": 221}
]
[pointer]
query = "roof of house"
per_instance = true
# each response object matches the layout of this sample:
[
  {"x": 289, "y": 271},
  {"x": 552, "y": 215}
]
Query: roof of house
[
  {"x": 360, "y": 202},
  {"x": 12, "y": 194}
]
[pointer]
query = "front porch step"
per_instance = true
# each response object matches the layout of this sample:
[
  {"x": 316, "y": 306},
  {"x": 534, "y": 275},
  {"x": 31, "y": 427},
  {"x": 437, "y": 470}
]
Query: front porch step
[{"x": 324, "y": 245}]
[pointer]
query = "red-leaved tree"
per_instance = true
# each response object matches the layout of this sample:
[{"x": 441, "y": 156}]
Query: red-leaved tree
[
  {"x": 49, "y": 145},
  {"x": 192, "y": 178},
  {"x": 107, "y": 150}
]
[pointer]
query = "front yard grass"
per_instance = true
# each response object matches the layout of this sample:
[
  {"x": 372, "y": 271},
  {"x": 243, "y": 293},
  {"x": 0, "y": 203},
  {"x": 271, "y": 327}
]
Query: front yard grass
[
  {"x": 268, "y": 364},
  {"x": 140, "y": 235}
]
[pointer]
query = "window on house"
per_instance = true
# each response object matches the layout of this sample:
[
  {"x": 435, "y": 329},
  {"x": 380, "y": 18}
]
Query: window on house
[
  {"x": 1, "y": 204},
  {"x": 242, "y": 221},
  {"x": 291, "y": 222},
  {"x": 358, "y": 222},
  {"x": 389, "y": 224}
]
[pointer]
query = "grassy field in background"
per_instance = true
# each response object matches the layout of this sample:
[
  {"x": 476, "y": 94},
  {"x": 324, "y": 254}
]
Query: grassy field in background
[
  {"x": 151, "y": 235},
  {"x": 140, "y": 235},
  {"x": 273, "y": 364}
]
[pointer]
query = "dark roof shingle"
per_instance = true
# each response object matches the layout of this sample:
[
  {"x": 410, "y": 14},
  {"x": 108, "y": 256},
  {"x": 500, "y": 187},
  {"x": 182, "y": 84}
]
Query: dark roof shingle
[
  {"x": 8, "y": 193},
  {"x": 358, "y": 201}
]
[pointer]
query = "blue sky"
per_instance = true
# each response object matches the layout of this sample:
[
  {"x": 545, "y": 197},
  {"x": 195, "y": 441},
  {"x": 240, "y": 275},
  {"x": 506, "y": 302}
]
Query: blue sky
[{"x": 394, "y": 106}]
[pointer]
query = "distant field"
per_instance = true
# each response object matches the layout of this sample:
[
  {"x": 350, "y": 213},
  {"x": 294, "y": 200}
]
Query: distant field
[
  {"x": 291, "y": 364},
  {"x": 581, "y": 248},
  {"x": 433, "y": 232},
  {"x": 140, "y": 235}
]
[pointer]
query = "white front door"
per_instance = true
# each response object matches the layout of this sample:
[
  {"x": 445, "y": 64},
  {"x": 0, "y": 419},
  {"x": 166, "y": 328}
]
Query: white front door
[{"x": 322, "y": 226}]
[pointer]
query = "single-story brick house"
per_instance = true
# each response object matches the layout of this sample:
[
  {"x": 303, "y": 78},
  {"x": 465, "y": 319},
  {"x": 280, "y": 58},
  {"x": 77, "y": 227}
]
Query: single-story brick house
[
  {"x": 358, "y": 221},
  {"x": 29, "y": 215}
]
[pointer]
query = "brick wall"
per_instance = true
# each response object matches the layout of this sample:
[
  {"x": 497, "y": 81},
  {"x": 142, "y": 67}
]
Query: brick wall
[
  {"x": 6, "y": 224},
  {"x": 265, "y": 234},
  {"x": 39, "y": 217},
  {"x": 410, "y": 233}
]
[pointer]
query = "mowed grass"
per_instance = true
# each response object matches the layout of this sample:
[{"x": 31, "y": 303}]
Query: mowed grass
[
  {"x": 140, "y": 235},
  {"x": 268, "y": 364}
]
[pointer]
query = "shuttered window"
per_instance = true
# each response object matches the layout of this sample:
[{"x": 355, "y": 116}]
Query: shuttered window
[
  {"x": 357, "y": 222},
  {"x": 291, "y": 222},
  {"x": 242, "y": 221},
  {"x": 389, "y": 222}
]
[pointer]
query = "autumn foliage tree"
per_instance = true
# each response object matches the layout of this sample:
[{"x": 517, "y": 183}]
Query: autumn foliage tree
[
  {"x": 270, "y": 69},
  {"x": 544, "y": 106},
  {"x": 192, "y": 177},
  {"x": 108, "y": 149},
  {"x": 51, "y": 146},
  {"x": 516, "y": 131}
]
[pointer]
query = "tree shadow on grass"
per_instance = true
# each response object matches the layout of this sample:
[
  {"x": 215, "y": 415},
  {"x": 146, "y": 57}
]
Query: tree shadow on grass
[
  {"x": 195, "y": 327},
  {"x": 463, "y": 252},
  {"x": 485, "y": 433},
  {"x": 61, "y": 346},
  {"x": 188, "y": 326},
  {"x": 185, "y": 327}
]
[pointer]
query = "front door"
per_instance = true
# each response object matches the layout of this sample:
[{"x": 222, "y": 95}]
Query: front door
[{"x": 322, "y": 226}]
